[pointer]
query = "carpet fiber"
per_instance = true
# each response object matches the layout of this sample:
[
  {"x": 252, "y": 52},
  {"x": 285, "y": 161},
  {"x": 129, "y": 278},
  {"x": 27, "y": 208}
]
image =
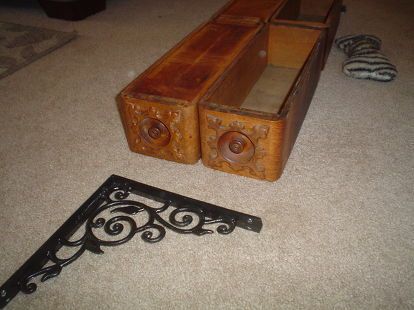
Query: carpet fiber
[
  {"x": 21, "y": 45},
  {"x": 338, "y": 226}
]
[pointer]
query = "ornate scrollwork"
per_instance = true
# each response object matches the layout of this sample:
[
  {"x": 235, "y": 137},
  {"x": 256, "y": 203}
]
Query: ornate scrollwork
[
  {"x": 171, "y": 118},
  {"x": 122, "y": 220},
  {"x": 254, "y": 134},
  {"x": 112, "y": 216}
]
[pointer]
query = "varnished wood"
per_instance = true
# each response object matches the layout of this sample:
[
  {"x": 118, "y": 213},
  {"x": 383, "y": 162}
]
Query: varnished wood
[
  {"x": 291, "y": 45},
  {"x": 296, "y": 106},
  {"x": 187, "y": 71},
  {"x": 249, "y": 11},
  {"x": 246, "y": 70},
  {"x": 170, "y": 90},
  {"x": 333, "y": 21},
  {"x": 266, "y": 162},
  {"x": 289, "y": 11},
  {"x": 317, "y": 10},
  {"x": 313, "y": 14},
  {"x": 271, "y": 132},
  {"x": 214, "y": 86},
  {"x": 307, "y": 11}
]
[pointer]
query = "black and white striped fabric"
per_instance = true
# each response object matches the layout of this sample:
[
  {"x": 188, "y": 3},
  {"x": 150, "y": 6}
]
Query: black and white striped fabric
[
  {"x": 345, "y": 42},
  {"x": 365, "y": 61}
]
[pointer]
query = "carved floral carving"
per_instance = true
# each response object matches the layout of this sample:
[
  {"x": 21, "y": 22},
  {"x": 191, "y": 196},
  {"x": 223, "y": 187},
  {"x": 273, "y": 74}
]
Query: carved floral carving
[
  {"x": 170, "y": 118},
  {"x": 254, "y": 134}
]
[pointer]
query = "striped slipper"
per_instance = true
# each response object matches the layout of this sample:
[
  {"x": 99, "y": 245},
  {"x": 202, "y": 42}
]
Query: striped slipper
[
  {"x": 363, "y": 46},
  {"x": 345, "y": 42},
  {"x": 374, "y": 66}
]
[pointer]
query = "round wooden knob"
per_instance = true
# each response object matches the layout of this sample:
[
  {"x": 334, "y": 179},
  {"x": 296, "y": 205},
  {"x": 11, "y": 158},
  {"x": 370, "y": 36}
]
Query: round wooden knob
[
  {"x": 236, "y": 147},
  {"x": 154, "y": 131}
]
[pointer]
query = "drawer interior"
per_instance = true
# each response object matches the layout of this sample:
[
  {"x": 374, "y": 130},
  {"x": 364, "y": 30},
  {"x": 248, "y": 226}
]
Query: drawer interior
[
  {"x": 263, "y": 77},
  {"x": 261, "y": 10},
  {"x": 271, "y": 89},
  {"x": 306, "y": 10}
]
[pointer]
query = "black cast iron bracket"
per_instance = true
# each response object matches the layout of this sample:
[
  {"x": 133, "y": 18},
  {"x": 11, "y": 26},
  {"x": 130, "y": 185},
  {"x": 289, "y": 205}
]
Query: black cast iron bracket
[{"x": 112, "y": 210}]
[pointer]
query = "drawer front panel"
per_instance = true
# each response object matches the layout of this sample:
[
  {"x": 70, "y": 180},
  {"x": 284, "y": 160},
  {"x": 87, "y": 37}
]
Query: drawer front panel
[
  {"x": 159, "y": 130},
  {"x": 240, "y": 144}
]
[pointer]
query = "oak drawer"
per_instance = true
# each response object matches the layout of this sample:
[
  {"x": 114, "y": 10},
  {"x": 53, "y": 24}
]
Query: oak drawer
[
  {"x": 159, "y": 108},
  {"x": 250, "y": 118},
  {"x": 318, "y": 14},
  {"x": 249, "y": 11}
]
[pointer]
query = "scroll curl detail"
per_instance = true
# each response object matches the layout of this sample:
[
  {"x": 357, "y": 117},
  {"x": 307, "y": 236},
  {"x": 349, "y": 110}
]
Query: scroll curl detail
[{"x": 118, "y": 217}]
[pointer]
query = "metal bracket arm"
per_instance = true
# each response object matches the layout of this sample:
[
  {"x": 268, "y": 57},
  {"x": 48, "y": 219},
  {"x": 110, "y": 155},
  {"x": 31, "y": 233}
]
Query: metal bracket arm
[{"x": 114, "y": 210}]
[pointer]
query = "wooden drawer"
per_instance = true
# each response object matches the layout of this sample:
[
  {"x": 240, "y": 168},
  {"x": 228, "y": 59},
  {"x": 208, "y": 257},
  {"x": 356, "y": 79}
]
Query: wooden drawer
[
  {"x": 249, "y": 11},
  {"x": 250, "y": 118},
  {"x": 159, "y": 108},
  {"x": 317, "y": 14}
]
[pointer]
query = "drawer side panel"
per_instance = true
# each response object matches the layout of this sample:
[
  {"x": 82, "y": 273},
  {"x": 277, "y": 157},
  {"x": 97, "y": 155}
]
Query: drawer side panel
[
  {"x": 333, "y": 22},
  {"x": 261, "y": 10},
  {"x": 187, "y": 71},
  {"x": 316, "y": 8},
  {"x": 298, "y": 103}
]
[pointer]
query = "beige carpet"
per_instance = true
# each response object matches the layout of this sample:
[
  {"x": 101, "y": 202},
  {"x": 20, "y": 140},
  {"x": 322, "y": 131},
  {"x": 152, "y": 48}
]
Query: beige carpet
[{"x": 338, "y": 226}]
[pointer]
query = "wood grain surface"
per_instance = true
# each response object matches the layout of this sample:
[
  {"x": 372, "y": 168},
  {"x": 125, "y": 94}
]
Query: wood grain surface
[
  {"x": 248, "y": 10},
  {"x": 314, "y": 14},
  {"x": 170, "y": 89},
  {"x": 242, "y": 81},
  {"x": 273, "y": 132}
]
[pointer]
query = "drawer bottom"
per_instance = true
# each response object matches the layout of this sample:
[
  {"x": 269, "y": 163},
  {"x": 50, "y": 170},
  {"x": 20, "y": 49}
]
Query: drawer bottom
[{"x": 270, "y": 91}]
